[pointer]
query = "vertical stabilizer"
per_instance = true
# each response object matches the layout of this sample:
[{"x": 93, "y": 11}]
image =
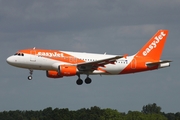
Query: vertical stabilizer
[{"x": 154, "y": 47}]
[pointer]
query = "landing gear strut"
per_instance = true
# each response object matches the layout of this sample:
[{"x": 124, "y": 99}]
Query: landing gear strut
[
  {"x": 30, "y": 76},
  {"x": 79, "y": 80}
]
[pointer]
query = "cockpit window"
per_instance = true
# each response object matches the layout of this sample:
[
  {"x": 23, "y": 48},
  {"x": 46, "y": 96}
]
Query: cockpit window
[{"x": 19, "y": 54}]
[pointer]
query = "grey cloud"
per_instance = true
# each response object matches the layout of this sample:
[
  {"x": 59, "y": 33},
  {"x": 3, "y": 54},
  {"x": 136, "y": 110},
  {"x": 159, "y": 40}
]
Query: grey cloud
[{"x": 79, "y": 15}]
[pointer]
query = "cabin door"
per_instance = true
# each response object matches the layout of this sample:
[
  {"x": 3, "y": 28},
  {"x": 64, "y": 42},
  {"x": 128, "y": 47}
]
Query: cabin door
[
  {"x": 133, "y": 63},
  {"x": 33, "y": 56}
]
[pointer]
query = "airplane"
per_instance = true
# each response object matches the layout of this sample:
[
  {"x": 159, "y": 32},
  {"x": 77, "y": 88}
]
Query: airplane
[{"x": 59, "y": 64}]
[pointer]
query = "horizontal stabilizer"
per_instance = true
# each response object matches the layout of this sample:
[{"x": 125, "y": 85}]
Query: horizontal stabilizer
[
  {"x": 157, "y": 63},
  {"x": 162, "y": 64}
]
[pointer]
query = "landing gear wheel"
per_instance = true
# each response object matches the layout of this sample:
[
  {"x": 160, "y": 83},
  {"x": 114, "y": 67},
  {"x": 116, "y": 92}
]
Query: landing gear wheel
[
  {"x": 79, "y": 82},
  {"x": 29, "y": 77},
  {"x": 88, "y": 80}
]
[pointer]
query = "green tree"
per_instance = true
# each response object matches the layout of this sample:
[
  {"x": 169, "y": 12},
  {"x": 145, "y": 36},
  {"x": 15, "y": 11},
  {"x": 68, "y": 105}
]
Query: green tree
[
  {"x": 47, "y": 113},
  {"x": 110, "y": 114},
  {"x": 149, "y": 112},
  {"x": 151, "y": 108},
  {"x": 135, "y": 115},
  {"x": 155, "y": 116},
  {"x": 177, "y": 115}
]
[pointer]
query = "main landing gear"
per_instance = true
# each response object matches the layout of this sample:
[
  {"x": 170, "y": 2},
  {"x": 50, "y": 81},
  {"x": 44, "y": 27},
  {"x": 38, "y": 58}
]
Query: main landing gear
[
  {"x": 80, "y": 81},
  {"x": 30, "y": 76}
]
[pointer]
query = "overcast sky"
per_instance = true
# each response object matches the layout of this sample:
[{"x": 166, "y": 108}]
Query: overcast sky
[{"x": 96, "y": 26}]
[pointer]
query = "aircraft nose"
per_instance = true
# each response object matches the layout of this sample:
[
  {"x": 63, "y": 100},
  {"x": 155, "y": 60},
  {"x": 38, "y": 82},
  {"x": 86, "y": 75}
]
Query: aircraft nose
[{"x": 10, "y": 60}]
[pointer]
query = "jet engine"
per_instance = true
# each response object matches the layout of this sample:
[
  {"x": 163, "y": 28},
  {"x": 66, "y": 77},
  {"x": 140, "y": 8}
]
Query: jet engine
[
  {"x": 67, "y": 70},
  {"x": 53, "y": 74},
  {"x": 63, "y": 70}
]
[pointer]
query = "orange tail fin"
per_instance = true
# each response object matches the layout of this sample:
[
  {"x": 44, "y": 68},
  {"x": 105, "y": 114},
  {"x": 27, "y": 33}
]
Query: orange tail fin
[{"x": 154, "y": 47}]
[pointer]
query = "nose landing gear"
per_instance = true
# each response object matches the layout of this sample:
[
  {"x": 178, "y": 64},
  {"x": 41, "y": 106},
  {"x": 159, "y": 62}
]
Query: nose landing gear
[{"x": 30, "y": 76}]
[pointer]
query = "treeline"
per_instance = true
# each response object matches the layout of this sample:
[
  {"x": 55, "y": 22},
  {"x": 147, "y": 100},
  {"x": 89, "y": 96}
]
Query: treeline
[{"x": 149, "y": 112}]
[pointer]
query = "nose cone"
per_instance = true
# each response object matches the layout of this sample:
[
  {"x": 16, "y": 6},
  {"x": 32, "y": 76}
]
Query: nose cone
[{"x": 10, "y": 60}]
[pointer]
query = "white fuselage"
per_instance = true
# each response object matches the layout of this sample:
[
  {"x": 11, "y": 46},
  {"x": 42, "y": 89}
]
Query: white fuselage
[{"x": 37, "y": 62}]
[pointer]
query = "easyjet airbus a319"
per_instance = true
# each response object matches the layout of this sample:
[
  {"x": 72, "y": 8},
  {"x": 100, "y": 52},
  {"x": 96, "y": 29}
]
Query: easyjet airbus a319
[{"x": 58, "y": 64}]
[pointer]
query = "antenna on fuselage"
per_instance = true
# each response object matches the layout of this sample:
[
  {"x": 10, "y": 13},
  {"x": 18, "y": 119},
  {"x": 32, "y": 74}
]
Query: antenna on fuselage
[{"x": 34, "y": 48}]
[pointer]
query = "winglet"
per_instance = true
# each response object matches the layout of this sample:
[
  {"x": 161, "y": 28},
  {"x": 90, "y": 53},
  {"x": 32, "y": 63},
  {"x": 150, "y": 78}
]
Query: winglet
[{"x": 154, "y": 47}]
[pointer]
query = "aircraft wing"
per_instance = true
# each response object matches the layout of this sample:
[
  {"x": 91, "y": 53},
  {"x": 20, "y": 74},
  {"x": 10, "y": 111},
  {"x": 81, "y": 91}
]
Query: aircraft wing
[{"x": 91, "y": 66}]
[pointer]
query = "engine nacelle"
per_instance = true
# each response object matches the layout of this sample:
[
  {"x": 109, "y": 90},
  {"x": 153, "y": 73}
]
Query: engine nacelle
[
  {"x": 67, "y": 70},
  {"x": 63, "y": 70},
  {"x": 53, "y": 74}
]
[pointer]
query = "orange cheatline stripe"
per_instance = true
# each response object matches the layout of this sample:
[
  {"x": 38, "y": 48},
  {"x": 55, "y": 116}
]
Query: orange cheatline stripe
[{"x": 54, "y": 55}]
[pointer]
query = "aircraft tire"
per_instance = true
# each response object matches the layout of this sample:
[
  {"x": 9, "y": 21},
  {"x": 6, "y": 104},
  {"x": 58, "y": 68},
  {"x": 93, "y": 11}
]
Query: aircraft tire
[
  {"x": 29, "y": 77},
  {"x": 88, "y": 80},
  {"x": 79, "y": 82}
]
